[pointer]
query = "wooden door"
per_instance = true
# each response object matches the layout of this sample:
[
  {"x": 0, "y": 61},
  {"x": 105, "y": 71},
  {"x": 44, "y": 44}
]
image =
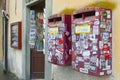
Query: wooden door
[{"x": 37, "y": 64}]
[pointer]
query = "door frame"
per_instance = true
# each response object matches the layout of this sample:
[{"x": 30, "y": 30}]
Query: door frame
[{"x": 26, "y": 49}]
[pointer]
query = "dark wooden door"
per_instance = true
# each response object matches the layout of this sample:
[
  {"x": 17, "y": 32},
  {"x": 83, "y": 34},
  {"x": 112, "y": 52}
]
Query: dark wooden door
[{"x": 37, "y": 64}]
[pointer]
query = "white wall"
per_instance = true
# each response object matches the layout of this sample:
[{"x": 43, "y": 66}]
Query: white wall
[{"x": 14, "y": 55}]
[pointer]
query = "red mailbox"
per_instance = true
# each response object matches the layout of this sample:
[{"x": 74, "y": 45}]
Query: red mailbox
[
  {"x": 59, "y": 35},
  {"x": 92, "y": 41}
]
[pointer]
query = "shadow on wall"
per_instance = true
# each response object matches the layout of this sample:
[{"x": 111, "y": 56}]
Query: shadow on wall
[{"x": 102, "y": 4}]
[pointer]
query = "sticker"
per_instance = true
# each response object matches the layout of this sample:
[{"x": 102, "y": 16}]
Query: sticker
[
  {"x": 100, "y": 45},
  {"x": 94, "y": 52},
  {"x": 95, "y": 47},
  {"x": 59, "y": 50},
  {"x": 73, "y": 38},
  {"x": 96, "y": 30},
  {"x": 101, "y": 73},
  {"x": 107, "y": 67},
  {"x": 102, "y": 62},
  {"x": 103, "y": 24},
  {"x": 97, "y": 22},
  {"x": 105, "y": 47},
  {"x": 77, "y": 44},
  {"x": 96, "y": 13},
  {"x": 109, "y": 71},
  {"x": 85, "y": 44},
  {"x": 67, "y": 33},
  {"x": 86, "y": 53},
  {"x": 105, "y": 37},
  {"x": 104, "y": 14},
  {"x": 110, "y": 34},
  {"x": 79, "y": 59},
  {"x": 92, "y": 37},
  {"x": 93, "y": 68},
  {"x": 53, "y": 30},
  {"x": 94, "y": 60},
  {"x": 108, "y": 25},
  {"x": 83, "y": 70},
  {"x": 108, "y": 14},
  {"x": 84, "y": 29},
  {"x": 82, "y": 36},
  {"x": 86, "y": 65}
]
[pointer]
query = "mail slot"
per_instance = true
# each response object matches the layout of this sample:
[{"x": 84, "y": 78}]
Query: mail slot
[
  {"x": 92, "y": 41},
  {"x": 59, "y": 39}
]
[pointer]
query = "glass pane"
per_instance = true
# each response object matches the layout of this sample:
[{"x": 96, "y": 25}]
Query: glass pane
[{"x": 40, "y": 29}]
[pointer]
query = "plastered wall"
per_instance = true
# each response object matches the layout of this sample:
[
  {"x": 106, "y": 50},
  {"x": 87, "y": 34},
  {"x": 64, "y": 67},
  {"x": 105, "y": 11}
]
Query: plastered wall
[
  {"x": 14, "y": 55},
  {"x": 66, "y": 73}
]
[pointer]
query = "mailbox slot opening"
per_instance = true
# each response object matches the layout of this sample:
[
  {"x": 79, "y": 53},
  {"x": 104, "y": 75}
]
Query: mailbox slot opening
[
  {"x": 76, "y": 16},
  {"x": 58, "y": 19},
  {"x": 89, "y": 14}
]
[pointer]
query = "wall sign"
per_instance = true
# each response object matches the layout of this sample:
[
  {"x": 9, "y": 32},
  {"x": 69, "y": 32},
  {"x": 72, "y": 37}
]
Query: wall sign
[{"x": 16, "y": 41}]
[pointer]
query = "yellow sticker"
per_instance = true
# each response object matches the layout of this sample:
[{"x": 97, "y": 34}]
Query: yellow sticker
[
  {"x": 53, "y": 30},
  {"x": 82, "y": 29}
]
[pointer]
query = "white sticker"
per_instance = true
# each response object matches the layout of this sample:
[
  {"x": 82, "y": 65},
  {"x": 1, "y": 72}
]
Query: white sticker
[
  {"x": 110, "y": 34},
  {"x": 94, "y": 52},
  {"x": 109, "y": 71},
  {"x": 108, "y": 14},
  {"x": 95, "y": 30},
  {"x": 92, "y": 37},
  {"x": 100, "y": 44},
  {"x": 83, "y": 70},
  {"x": 101, "y": 73},
  {"x": 97, "y": 14},
  {"x": 94, "y": 48},
  {"x": 86, "y": 53},
  {"x": 87, "y": 65},
  {"x": 97, "y": 22}
]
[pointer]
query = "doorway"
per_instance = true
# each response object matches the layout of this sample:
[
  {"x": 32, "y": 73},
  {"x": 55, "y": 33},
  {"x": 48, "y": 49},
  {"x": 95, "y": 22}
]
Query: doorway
[{"x": 37, "y": 58}]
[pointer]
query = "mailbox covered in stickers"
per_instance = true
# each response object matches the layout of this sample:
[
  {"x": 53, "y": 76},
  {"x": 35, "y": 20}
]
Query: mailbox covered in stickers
[
  {"x": 59, "y": 37},
  {"x": 92, "y": 41}
]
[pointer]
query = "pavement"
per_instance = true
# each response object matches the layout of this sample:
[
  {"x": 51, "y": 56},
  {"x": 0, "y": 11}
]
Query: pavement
[{"x": 6, "y": 75}]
